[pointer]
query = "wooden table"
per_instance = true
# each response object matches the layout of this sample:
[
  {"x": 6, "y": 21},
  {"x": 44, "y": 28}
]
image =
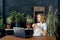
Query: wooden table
[{"x": 33, "y": 38}]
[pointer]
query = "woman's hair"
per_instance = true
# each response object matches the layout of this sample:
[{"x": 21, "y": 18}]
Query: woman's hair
[{"x": 43, "y": 16}]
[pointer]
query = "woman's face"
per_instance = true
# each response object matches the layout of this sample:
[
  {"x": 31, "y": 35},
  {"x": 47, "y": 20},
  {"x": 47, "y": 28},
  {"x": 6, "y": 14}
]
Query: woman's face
[{"x": 38, "y": 18}]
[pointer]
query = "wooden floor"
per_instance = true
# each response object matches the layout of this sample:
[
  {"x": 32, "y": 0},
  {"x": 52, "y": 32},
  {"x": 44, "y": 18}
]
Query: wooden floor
[{"x": 33, "y": 38}]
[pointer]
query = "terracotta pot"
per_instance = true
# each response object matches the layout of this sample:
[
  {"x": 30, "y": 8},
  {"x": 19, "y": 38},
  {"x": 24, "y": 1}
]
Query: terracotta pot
[
  {"x": 8, "y": 26},
  {"x": 28, "y": 26}
]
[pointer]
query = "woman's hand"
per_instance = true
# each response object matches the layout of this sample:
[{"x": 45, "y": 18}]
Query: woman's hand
[{"x": 34, "y": 25}]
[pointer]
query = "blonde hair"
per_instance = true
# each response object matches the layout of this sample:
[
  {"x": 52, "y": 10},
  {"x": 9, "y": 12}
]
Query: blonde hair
[{"x": 43, "y": 16}]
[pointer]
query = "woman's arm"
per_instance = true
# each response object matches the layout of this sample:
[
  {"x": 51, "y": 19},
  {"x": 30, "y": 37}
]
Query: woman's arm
[
  {"x": 34, "y": 26},
  {"x": 44, "y": 32}
]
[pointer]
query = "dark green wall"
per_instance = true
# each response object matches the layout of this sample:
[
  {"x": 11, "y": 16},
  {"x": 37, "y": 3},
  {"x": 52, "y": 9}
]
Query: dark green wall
[
  {"x": 1, "y": 7},
  {"x": 26, "y": 6}
]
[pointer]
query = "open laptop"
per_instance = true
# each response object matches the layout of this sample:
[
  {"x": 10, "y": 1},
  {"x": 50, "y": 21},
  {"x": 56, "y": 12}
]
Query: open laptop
[{"x": 21, "y": 32}]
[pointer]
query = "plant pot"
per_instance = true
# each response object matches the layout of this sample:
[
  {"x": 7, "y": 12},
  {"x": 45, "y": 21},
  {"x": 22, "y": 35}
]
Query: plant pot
[
  {"x": 9, "y": 32},
  {"x": 2, "y": 33},
  {"x": 17, "y": 24},
  {"x": 23, "y": 24},
  {"x": 28, "y": 25},
  {"x": 8, "y": 26}
]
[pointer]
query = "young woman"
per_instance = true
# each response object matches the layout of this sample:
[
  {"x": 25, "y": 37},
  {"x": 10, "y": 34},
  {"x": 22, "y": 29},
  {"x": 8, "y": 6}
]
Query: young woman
[{"x": 40, "y": 28}]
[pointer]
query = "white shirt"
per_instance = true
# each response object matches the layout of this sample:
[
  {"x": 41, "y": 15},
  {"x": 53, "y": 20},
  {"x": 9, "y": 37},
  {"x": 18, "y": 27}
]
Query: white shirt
[{"x": 37, "y": 31}]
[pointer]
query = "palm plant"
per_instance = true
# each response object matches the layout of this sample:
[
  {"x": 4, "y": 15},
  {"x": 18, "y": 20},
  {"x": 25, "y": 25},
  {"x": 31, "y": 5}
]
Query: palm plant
[
  {"x": 51, "y": 21},
  {"x": 9, "y": 22},
  {"x": 17, "y": 17}
]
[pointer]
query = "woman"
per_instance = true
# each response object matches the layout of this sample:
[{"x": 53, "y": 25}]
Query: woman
[{"x": 40, "y": 28}]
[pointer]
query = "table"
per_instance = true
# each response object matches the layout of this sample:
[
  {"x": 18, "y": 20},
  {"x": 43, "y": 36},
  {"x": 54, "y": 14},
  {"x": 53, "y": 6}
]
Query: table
[{"x": 33, "y": 38}]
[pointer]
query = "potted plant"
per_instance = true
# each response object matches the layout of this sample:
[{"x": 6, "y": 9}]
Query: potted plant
[
  {"x": 2, "y": 27},
  {"x": 9, "y": 22},
  {"x": 52, "y": 21},
  {"x": 29, "y": 21},
  {"x": 17, "y": 17}
]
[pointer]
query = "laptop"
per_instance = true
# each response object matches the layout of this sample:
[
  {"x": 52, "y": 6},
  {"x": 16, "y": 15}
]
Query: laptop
[{"x": 21, "y": 32}]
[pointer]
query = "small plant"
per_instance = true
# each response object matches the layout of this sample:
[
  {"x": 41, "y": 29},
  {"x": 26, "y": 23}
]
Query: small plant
[
  {"x": 9, "y": 20},
  {"x": 29, "y": 19}
]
